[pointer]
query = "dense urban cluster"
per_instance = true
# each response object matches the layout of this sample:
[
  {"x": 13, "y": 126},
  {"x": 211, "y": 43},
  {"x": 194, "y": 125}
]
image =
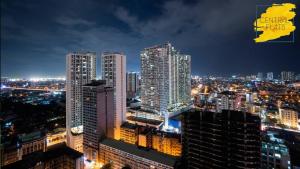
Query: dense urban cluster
[{"x": 159, "y": 118}]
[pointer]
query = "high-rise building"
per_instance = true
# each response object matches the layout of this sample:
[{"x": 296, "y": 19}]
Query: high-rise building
[
  {"x": 287, "y": 76},
  {"x": 165, "y": 78},
  {"x": 80, "y": 70},
  {"x": 230, "y": 139},
  {"x": 98, "y": 119},
  {"x": 132, "y": 86},
  {"x": 270, "y": 76},
  {"x": 183, "y": 82},
  {"x": 113, "y": 67}
]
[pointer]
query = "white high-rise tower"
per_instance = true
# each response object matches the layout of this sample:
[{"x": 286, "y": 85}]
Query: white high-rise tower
[
  {"x": 113, "y": 67},
  {"x": 81, "y": 70}
]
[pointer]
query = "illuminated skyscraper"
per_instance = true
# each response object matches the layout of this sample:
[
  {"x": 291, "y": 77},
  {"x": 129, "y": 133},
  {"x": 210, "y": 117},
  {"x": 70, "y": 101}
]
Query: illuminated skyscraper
[
  {"x": 184, "y": 78},
  {"x": 113, "y": 67},
  {"x": 80, "y": 70},
  {"x": 165, "y": 78}
]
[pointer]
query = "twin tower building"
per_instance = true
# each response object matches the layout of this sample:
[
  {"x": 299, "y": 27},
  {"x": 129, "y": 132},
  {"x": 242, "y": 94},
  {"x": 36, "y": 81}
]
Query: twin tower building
[{"x": 97, "y": 109}]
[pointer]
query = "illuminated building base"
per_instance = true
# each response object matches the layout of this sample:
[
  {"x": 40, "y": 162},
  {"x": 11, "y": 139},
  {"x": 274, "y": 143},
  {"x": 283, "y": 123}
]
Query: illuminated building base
[{"x": 75, "y": 141}]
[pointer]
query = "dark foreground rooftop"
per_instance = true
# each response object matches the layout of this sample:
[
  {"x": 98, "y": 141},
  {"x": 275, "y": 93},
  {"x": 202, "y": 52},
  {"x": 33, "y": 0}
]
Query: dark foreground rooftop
[
  {"x": 142, "y": 152},
  {"x": 55, "y": 151},
  {"x": 96, "y": 83}
]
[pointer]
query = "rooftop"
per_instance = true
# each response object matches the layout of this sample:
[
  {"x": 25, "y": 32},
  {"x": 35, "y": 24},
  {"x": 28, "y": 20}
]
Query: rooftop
[
  {"x": 54, "y": 151},
  {"x": 129, "y": 125},
  {"x": 26, "y": 137},
  {"x": 144, "y": 120},
  {"x": 96, "y": 83},
  {"x": 141, "y": 152},
  {"x": 112, "y": 53}
]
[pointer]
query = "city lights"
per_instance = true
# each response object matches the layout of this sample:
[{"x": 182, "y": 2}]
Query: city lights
[{"x": 175, "y": 84}]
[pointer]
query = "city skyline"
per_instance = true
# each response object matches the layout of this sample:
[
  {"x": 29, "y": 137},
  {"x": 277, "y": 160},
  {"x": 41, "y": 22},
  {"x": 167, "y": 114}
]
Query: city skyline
[
  {"x": 164, "y": 84},
  {"x": 130, "y": 27}
]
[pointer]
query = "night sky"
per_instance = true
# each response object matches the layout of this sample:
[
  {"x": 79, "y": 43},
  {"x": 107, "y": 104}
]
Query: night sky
[{"x": 36, "y": 35}]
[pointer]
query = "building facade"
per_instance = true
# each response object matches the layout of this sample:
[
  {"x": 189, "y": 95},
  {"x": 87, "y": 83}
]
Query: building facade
[
  {"x": 113, "y": 67},
  {"x": 56, "y": 156},
  {"x": 228, "y": 101},
  {"x": 275, "y": 154},
  {"x": 129, "y": 133},
  {"x": 288, "y": 117},
  {"x": 270, "y": 76},
  {"x": 165, "y": 78},
  {"x": 26, "y": 144},
  {"x": 132, "y": 84},
  {"x": 287, "y": 76},
  {"x": 32, "y": 142},
  {"x": 80, "y": 70},
  {"x": 98, "y": 120},
  {"x": 260, "y": 76},
  {"x": 230, "y": 139},
  {"x": 56, "y": 136},
  {"x": 120, "y": 154},
  {"x": 168, "y": 143}
]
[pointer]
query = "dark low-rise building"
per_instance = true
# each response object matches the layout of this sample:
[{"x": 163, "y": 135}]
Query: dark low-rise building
[{"x": 56, "y": 157}]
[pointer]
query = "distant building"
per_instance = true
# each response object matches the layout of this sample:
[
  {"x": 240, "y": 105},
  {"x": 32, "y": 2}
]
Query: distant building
[
  {"x": 57, "y": 156},
  {"x": 287, "y": 76},
  {"x": 230, "y": 139},
  {"x": 228, "y": 101},
  {"x": 132, "y": 86},
  {"x": 297, "y": 77},
  {"x": 275, "y": 154},
  {"x": 165, "y": 79},
  {"x": 98, "y": 116},
  {"x": 113, "y": 67},
  {"x": 270, "y": 76},
  {"x": 288, "y": 117},
  {"x": 120, "y": 154},
  {"x": 80, "y": 70},
  {"x": 260, "y": 76}
]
